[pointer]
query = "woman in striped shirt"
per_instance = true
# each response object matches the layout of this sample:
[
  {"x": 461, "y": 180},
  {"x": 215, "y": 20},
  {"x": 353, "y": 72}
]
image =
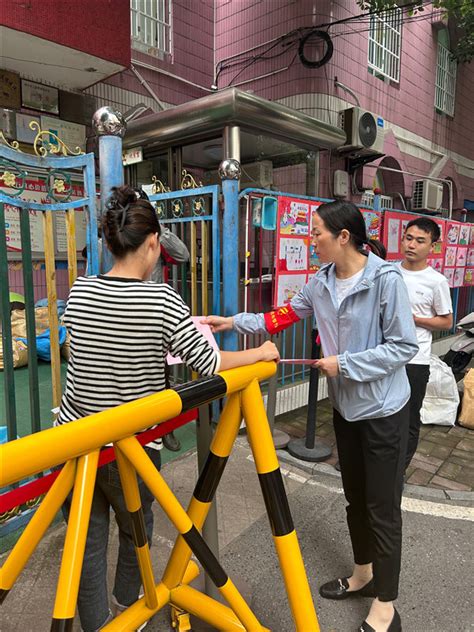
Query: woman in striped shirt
[{"x": 121, "y": 328}]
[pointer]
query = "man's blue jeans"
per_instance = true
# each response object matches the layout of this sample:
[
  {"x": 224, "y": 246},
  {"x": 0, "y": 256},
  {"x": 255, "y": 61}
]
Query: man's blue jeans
[{"x": 93, "y": 600}]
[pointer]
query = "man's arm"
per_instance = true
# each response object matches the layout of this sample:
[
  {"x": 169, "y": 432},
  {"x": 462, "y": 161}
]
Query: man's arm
[{"x": 436, "y": 323}]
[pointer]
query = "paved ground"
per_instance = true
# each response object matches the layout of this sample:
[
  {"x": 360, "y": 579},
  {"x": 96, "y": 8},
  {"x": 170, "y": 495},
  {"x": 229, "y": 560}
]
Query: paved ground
[
  {"x": 444, "y": 459},
  {"x": 436, "y": 591}
]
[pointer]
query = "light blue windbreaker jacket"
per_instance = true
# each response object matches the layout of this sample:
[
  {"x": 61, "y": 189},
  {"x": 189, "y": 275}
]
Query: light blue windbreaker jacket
[{"x": 372, "y": 333}]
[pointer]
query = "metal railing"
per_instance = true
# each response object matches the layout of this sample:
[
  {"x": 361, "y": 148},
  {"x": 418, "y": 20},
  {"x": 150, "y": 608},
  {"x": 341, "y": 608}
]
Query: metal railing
[{"x": 78, "y": 444}]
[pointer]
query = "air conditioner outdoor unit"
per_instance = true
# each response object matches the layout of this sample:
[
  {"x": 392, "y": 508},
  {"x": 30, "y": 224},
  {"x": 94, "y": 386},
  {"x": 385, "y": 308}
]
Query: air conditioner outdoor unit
[
  {"x": 364, "y": 131},
  {"x": 427, "y": 195},
  {"x": 258, "y": 175}
]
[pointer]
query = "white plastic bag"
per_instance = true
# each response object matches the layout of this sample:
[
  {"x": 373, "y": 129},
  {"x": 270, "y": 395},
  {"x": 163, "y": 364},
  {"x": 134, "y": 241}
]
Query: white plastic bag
[{"x": 441, "y": 402}]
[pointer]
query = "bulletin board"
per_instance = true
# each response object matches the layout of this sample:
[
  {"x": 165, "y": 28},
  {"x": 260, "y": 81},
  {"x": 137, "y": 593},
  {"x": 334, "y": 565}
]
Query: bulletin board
[
  {"x": 459, "y": 254},
  {"x": 297, "y": 260},
  {"x": 36, "y": 191}
]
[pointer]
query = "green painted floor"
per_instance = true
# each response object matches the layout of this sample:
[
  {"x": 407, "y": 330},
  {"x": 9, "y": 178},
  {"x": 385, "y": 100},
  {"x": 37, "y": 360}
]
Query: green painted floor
[{"x": 186, "y": 434}]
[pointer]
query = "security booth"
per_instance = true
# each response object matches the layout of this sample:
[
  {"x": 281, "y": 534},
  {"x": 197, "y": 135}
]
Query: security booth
[{"x": 249, "y": 146}]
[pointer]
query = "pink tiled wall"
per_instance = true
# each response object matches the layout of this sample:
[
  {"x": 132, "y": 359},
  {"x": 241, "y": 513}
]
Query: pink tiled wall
[
  {"x": 15, "y": 280},
  {"x": 409, "y": 104},
  {"x": 192, "y": 56}
]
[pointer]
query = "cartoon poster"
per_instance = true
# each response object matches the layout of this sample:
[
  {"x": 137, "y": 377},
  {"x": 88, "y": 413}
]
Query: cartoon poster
[
  {"x": 314, "y": 262},
  {"x": 461, "y": 257},
  {"x": 436, "y": 263},
  {"x": 453, "y": 233},
  {"x": 449, "y": 274},
  {"x": 469, "y": 276},
  {"x": 464, "y": 234},
  {"x": 288, "y": 286},
  {"x": 373, "y": 223},
  {"x": 470, "y": 257},
  {"x": 393, "y": 239},
  {"x": 471, "y": 241},
  {"x": 293, "y": 254},
  {"x": 450, "y": 257},
  {"x": 294, "y": 217},
  {"x": 458, "y": 279}
]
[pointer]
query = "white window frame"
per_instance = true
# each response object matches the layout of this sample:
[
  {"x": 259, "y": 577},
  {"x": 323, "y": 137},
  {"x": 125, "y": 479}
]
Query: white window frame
[
  {"x": 445, "y": 86},
  {"x": 386, "y": 201},
  {"x": 385, "y": 44},
  {"x": 150, "y": 23}
]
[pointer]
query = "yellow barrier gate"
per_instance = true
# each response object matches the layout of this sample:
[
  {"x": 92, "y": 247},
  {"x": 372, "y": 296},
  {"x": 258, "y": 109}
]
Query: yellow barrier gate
[{"x": 78, "y": 445}]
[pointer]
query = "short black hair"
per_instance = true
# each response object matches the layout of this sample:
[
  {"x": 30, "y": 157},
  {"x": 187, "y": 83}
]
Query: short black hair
[{"x": 427, "y": 225}]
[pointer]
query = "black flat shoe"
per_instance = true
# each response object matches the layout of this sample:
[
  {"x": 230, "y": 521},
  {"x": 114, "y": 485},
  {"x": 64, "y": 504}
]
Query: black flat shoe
[
  {"x": 338, "y": 589},
  {"x": 395, "y": 624}
]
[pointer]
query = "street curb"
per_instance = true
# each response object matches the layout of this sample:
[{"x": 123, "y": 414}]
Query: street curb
[{"x": 417, "y": 491}]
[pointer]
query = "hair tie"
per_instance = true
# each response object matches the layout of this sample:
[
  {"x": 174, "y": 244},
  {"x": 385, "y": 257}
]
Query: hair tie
[{"x": 124, "y": 210}]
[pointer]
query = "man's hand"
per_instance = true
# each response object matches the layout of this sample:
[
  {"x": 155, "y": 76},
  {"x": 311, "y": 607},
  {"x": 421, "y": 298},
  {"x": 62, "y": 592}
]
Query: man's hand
[
  {"x": 328, "y": 366},
  {"x": 269, "y": 352},
  {"x": 219, "y": 323}
]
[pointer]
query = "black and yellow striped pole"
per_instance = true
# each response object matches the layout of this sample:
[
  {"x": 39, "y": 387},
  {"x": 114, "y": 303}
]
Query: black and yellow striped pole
[
  {"x": 81, "y": 440},
  {"x": 278, "y": 510},
  {"x": 133, "y": 503}
]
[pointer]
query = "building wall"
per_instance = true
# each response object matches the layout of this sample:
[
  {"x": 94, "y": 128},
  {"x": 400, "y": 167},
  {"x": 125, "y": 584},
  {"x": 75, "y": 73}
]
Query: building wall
[
  {"x": 97, "y": 27},
  {"x": 191, "y": 60},
  {"x": 408, "y": 107}
]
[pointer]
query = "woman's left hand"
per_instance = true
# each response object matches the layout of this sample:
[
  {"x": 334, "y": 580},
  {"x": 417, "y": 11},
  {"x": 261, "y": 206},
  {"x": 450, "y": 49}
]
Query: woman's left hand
[{"x": 328, "y": 366}]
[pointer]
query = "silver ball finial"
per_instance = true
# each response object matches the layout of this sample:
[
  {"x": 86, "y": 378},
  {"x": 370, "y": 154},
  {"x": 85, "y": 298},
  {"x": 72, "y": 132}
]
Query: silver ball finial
[
  {"x": 229, "y": 169},
  {"x": 109, "y": 122}
]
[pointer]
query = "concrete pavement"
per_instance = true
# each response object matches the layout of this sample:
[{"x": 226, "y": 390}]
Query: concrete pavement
[{"x": 436, "y": 586}]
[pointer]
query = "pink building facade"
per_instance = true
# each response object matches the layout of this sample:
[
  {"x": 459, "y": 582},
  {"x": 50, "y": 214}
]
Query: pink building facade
[{"x": 253, "y": 45}]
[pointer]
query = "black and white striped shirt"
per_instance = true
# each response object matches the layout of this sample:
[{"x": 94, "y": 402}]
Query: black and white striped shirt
[{"x": 121, "y": 331}]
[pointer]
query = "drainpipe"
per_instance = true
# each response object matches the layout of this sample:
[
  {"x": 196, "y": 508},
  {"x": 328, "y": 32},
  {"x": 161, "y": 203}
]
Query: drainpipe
[
  {"x": 110, "y": 126},
  {"x": 229, "y": 172}
]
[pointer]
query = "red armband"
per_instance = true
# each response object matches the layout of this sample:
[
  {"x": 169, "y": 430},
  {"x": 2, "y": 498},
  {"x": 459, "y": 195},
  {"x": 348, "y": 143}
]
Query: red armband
[
  {"x": 167, "y": 258},
  {"x": 280, "y": 318}
]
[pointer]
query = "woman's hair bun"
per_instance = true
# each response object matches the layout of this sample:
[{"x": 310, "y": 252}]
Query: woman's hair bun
[{"x": 121, "y": 197}]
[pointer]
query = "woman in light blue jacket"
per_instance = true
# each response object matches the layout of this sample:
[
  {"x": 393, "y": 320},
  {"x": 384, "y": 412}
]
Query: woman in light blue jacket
[{"x": 367, "y": 336}]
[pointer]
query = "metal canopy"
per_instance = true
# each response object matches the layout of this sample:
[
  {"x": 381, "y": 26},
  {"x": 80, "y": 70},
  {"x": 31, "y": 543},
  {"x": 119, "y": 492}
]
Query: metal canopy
[{"x": 204, "y": 118}]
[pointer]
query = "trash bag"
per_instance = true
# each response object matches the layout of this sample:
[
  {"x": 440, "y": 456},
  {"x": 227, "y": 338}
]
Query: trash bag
[
  {"x": 441, "y": 401},
  {"x": 466, "y": 418},
  {"x": 43, "y": 343}
]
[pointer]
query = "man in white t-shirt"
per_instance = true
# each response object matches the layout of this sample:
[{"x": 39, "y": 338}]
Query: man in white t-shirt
[{"x": 432, "y": 311}]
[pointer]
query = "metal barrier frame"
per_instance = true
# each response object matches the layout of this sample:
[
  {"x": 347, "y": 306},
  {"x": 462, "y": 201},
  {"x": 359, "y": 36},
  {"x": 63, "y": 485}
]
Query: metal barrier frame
[{"x": 78, "y": 444}]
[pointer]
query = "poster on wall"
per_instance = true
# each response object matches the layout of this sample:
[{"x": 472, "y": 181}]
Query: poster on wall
[
  {"x": 373, "y": 223},
  {"x": 459, "y": 254},
  {"x": 293, "y": 254},
  {"x": 36, "y": 191},
  {"x": 288, "y": 286},
  {"x": 314, "y": 262},
  {"x": 293, "y": 217},
  {"x": 39, "y": 97},
  {"x": 394, "y": 226}
]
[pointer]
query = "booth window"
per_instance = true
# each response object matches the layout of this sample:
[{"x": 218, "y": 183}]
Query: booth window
[
  {"x": 385, "y": 43},
  {"x": 446, "y": 68},
  {"x": 151, "y": 26}
]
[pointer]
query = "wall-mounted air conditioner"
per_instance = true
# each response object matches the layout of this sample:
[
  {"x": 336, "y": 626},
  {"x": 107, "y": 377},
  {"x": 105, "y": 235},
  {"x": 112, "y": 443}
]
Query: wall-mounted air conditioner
[
  {"x": 427, "y": 195},
  {"x": 364, "y": 131}
]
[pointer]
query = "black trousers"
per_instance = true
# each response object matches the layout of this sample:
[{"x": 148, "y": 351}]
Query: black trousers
[
  {"x": 372, "y": 460},
  {"x": 418, "y": 376}
]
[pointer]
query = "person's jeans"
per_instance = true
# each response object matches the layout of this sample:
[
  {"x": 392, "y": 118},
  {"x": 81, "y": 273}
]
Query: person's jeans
[{"x": 93, "y": 600}]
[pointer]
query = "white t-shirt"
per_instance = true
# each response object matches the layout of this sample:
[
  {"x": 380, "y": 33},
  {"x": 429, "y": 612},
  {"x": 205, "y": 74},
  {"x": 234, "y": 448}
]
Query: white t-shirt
[
  {"x": 429, "y": 296},
  {"x": 344, "y": 286}
]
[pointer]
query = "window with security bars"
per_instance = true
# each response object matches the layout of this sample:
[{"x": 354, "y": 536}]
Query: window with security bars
[
  {"x": 445, "y": 91},
  {"x": 151, "y": 25},
  {"x": 385, "y": 43}
]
